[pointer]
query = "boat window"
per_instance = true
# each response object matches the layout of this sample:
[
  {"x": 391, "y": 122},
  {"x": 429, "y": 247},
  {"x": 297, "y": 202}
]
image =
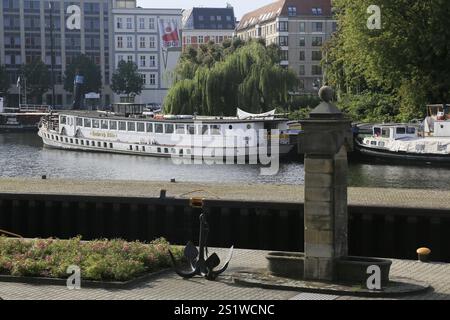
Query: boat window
[
  {"x": 203, "y": 129},
  {"x": 149, "y": 127},
  {"x": 215, "y": 129},
  {"x": 249, "y": 126},
  {"x": 136, "y": 148},
  {"x": 63, "y": 120},
  {"x": 159, "y": 128},
  {"x": 180, "y": 129},
  {"x": 79, "y": 122},
  {"x": 93, "y": 143},
  {"x": 381, "y": 144},
  {"x": 188, "y": 151},
  {"x": 141, "y": 127},
  {"x": 377, "y": 132},
  {"x": 166, "y": 150},
  {"x": 70, "y": 120},
  {"x": 122, "y": 126},
  {"x": 191, "y": 129},
  {"x": 82, "y": 142},
  {"x": 105, "y": 145},
  {"x": 71, "y": 140},
  {"x": 230, "y": 127},
  {"x": 401, "y": 130},
  {"x": 411, "y": 130},
  {"x": 87, "y": 123},
  {"x": 99, "y": 144},
  {"x": 385, "y": 133},
  {"x": 95, "y": 124},
  {"x": 67, "y": 141},
  {"x": 113, "y": 125},
  {"x": 131, "y": 126},
  {"x": 76, "y": 141},
  {"x": 159, "y": 150},
  {"x": 111, "y": 145},
  {"x": 131, "y": 147},
  {"x": 169, "y": 128},
  {"x": 374, "y": 143},
  {"x": 173, "y": 151},
  {"x": 104, "y": 124},
  {"x": 57, "y": 138},
  {"x": 143, "y": 149},
  {"x": 53, "y": 137}
]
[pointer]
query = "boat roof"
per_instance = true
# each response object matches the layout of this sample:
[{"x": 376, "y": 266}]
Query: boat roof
[
  {"x": 113, "y": 116},
  {"x": 394, "y": 125}
]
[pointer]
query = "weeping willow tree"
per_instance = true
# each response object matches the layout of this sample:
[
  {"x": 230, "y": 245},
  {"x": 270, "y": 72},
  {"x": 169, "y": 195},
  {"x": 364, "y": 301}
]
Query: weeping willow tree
[{"x": 249, "y": 78}]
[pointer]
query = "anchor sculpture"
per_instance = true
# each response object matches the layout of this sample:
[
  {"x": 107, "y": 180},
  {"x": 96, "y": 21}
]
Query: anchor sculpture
[{"x": 199, "y": 261}]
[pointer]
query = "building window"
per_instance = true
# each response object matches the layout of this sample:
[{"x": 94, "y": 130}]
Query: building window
[
  {"x": 152, "y": 43},
  {"x": 144, "y": 78},
  {"x": 129, "y": 58},
  {"x": 284, "y": 55},
  {"x": 119, "y": 23},
  {"x": 142, "y": 42},
  {"x": 317, "y": 26},
  {"x": 142, "y": 61},
  {"x": 302, "y": 42},
  {"x": 301, "y": 70},
  {"x": 129, "y": 24},
  {"x": 302, "y": 56},
  {"x": 316, "y": 70},
  {"x": 317, "y": 41},
  {"x": 200, "y": 39},
  {"x": 228, "y": 18},
  {"x": 301, "y": 84},
  {"x": 283, "y": 41},
  {"x": 302, "y": 27},
  {"x": 152, "y": 79},
  {"x": 129, "y": 42},
  {"x": 316, "y": 55},
  {"x": 119, "y": 42},
  {"x": 141, "y": 23},
  {"x": 201, "y": 18},
  {"x": 317, "y": 11},
  {"x": 152, "y": 61},
  {"x": 283, "y": 26},
  {"x": 151, "y": 23},
  {"x": 292, "y": 11},
  {"x": 334, "y": 26}
]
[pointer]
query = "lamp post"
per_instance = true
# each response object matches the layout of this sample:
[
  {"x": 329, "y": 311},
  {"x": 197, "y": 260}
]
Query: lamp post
[{"x": 52, "y": 53}]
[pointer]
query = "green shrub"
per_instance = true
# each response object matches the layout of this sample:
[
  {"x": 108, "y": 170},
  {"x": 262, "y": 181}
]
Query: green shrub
[{"x": 107, "y": 260}]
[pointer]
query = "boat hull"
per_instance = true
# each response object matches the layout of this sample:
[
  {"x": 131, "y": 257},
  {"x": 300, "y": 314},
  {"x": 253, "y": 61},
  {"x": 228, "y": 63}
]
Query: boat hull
[
  {"x": 56, "y": 141},
  {"x": 400, "y": 156}
]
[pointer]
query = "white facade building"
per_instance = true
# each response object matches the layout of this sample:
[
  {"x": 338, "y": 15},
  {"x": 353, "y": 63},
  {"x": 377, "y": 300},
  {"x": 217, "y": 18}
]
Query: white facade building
[{"x": 140, "y": 35}]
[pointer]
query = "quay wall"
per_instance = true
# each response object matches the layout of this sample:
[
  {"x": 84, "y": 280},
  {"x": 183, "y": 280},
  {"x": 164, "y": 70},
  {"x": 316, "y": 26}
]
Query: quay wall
[{"x": 376, "y": 226}]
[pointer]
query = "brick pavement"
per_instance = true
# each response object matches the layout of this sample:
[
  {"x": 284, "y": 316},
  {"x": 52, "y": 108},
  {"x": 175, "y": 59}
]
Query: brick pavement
[{"x": 168, "y": 286}]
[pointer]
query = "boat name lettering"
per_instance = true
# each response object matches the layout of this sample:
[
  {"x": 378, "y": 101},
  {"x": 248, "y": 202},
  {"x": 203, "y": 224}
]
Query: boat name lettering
[{"x": 103, "y": 134}]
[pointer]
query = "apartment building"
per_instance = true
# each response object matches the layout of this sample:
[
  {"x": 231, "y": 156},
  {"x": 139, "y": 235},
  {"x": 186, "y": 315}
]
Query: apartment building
[
  {"x": 300, "y": 28},
  {"x": 80, "y": 26},
  {"x": 150, "y": 38},
  {"x": 201, "y": 25}
]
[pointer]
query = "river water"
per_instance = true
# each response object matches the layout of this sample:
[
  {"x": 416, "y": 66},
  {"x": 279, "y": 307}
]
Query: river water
[{"x": 23, "y": 155}]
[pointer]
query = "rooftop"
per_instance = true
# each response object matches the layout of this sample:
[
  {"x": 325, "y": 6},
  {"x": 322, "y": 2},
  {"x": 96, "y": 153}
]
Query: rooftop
[{"x": 285, "y": 8}]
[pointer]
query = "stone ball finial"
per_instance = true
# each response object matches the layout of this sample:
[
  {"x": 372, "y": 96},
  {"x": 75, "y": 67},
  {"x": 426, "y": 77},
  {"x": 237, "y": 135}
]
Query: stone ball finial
[{"x": 326, "y": 93}]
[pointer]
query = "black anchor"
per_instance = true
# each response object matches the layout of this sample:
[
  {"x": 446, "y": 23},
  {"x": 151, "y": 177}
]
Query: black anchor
[{"x": 198, "y": 260}]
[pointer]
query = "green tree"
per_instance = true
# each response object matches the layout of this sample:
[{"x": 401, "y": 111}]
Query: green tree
[
  {"x": 4, "y": 82},
  {"x": 37, "y": 77},
  {"x": 407, "y": 58},
  {"x": 250, "y": 78},
  {"x": 127, "y": 80},
  {"x": 91, "y": 72}
]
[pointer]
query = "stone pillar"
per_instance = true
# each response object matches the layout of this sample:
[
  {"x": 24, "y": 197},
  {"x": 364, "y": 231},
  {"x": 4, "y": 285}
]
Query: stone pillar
[{"x": 326, "y": 139}]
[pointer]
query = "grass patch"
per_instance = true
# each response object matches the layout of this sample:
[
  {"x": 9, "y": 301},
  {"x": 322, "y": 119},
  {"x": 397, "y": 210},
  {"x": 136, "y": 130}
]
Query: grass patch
[{"x": 99, "y": 260}]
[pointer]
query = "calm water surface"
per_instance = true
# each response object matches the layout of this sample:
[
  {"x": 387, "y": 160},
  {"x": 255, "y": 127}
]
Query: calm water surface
[{"x": 23, "y": 155}]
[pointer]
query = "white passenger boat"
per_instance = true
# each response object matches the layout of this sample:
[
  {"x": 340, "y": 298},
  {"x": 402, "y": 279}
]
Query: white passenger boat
[
  {"x": 426, "y": 142},
  {"x": 132, "y": 132}
]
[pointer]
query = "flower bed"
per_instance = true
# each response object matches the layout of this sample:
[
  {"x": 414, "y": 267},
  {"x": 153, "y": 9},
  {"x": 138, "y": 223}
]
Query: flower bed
[{"x": 100, "y": 260}]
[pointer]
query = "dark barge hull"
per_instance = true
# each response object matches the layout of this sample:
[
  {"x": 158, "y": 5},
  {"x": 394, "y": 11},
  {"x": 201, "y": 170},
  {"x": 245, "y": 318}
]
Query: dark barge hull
[{"x": 401, "y": 156}]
